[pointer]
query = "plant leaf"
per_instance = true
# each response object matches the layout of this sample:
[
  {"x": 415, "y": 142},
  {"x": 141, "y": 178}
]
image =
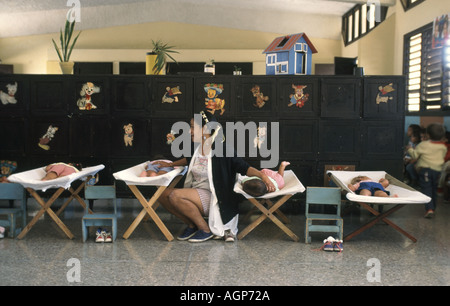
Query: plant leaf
[
  {"x": 73, "y": 44},
  {"x": 66, "y": 40},
  {"x": 61, "y": 39},
  {"x": 57, "y": 50}
]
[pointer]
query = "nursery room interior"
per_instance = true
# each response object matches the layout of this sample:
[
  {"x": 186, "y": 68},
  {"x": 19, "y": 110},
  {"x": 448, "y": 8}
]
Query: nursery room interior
[{"x": 249, "y": 143}]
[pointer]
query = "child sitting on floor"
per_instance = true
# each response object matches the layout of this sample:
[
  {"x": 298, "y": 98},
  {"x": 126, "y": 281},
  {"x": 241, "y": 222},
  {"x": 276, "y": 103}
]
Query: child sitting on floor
[
  {"x": 155, "y": 168},
  {"x": 364, "y": 185},
  {"x": 56, "y": 170},
  {"x": 255, "y": 187}
]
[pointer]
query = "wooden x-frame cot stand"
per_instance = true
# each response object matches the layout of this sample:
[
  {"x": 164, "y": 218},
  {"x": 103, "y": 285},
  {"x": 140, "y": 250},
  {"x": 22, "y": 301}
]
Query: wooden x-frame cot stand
[
  {"x": 149, "y": 208},
  {"x": 268, "y": 213},
  {"x": 46, "y": 207}
]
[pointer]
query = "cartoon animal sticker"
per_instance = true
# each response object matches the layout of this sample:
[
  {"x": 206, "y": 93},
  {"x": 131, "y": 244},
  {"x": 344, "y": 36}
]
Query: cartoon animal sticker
[
  {"x": 261, "y": 137},
  {"x": 8, "y": 98},
  {"x": 7, "y": 167},
  {"x": 47, "y": 137},
  {"x": 260, "y": 98},
  {"x": 212, "y": 102},
  {"x": 298, "y": 98},
  {"x": 385, "y": 93},
  {"x": 87, "y": 90},
  {"x": 170, "y": 137},
  {"x": 171, "y": 95},
  {"x": 129, "y": 135}
]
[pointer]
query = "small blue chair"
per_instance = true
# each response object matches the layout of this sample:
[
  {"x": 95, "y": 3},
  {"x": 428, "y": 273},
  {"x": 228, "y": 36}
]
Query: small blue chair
[
  {"x": 99, "y": 219},
  {"x": 12, "y": 191},
  {"x": 323, "y": 196}
]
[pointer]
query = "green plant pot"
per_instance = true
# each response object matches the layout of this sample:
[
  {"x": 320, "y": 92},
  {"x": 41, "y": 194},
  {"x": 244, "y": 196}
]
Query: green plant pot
[{"x": 66, "y": 67}]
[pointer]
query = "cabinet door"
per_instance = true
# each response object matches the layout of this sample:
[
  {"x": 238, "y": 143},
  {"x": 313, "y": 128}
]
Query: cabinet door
[
  {"x": 89, "y": 137},
  {"x": 384, "y": 97},
  {"x": 257, "y": 139},
  {"x": 171, "y": 96},
  {"x": 89, "y": 95},
  {"x": 341, "y": 97},
  {"x": 305, "y": 170},
  {"x": 216, "y": 94},
  {"x": 382, "y": 140},
  {"x": 256, "y": 97},
  {"x": 161, "y": 145},
  {"x": 49, "y": 94},
  {"x": 340, "y": 139},
  {"x": 129, "y": 136},
  {"x": 14, "y": 95},
  {"x": 14, "y": 136},
  {"x": 298, "y": 97},
  {"x": 130, "y": 96},
  {"x": 299, "y": 139},
  {"x": 49, "y": 136}
]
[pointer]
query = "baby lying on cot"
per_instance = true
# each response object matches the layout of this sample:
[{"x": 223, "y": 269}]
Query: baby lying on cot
[
  {"x": 255, "y": 187},
  {"x": 364, "y": 185},
  {"x": 57, "y": 170},
  {"x": 155, "y": 168}
]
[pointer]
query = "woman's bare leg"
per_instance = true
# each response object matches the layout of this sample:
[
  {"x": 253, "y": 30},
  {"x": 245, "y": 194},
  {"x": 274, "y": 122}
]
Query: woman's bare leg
[{"x": 185, "y": 204}]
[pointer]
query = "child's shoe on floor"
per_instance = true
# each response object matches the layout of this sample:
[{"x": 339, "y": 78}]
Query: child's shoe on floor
[
  {"x": 328, "y": 244},
  {"x": 2, "y": 232},
  {"x": 100, "y": 237},
  {"x": 107, "y": 236},
  {"x": 337, "y": 246}
]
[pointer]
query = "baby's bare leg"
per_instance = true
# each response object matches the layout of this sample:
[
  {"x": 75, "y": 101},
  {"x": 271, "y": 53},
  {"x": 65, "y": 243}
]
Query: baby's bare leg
[
  {"x": 283, "y": 165},
  {"x": 50, "y": 176},
  {"x": 365, "y": 192},
  {"x": 380, "y": 193}
]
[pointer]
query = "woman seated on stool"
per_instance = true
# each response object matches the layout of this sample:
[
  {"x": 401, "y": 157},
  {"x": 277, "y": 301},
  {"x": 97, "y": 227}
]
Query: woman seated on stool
[{"x": 208, "y": 186}]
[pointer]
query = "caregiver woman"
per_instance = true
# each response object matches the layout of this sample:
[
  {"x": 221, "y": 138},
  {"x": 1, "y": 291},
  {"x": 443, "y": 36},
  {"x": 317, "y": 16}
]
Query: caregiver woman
[{"x": 208, "y": 188}]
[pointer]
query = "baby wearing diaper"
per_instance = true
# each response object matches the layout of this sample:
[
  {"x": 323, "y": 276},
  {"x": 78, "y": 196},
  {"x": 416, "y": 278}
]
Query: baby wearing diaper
[
  {"x": 364, "y": 185},
  {"x": 154, "y": 168},
  {"x": 57, "y": 170}
]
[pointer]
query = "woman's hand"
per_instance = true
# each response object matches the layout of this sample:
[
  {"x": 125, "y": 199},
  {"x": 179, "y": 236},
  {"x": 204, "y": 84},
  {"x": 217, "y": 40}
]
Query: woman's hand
[
  {"x": 163, "y": 164},
  {"x": 255, "y": 172},
  {"x": 270, "y": 186}
]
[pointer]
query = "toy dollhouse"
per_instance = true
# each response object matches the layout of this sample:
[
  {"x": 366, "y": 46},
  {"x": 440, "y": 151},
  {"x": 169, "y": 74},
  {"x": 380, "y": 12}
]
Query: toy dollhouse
[{"x": 290, "y": 54}]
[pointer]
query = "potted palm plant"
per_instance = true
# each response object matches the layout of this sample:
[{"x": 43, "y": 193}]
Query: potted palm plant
[
  {"x": 156, "y": 59},
  {"x": 66, "y": 48}
]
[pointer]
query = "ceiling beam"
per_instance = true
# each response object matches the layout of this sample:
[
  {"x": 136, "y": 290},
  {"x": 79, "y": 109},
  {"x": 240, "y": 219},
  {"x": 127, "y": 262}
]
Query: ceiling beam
[{"x": 382, "y": 2}]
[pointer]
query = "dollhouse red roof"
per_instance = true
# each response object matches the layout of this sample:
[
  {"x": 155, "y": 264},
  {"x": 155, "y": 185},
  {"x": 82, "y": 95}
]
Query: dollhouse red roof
[{"x": 285, "y": 43}]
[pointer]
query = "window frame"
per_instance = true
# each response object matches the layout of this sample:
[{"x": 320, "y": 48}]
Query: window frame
[
  {"x": 407, "y": 4},
  {"x": 406, "y": 60},
  {"x": 358, "y": 24}
]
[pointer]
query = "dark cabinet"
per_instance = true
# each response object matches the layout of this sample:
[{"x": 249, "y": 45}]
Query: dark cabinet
[{"x": 315, "y": 122}]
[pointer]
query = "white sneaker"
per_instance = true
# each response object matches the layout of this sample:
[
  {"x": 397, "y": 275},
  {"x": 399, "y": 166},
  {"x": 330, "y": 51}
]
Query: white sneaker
[
  {"x": 107, "y": 236},
  {"x": 100, "y": 237},
  {"x": 229, "y": 237}
]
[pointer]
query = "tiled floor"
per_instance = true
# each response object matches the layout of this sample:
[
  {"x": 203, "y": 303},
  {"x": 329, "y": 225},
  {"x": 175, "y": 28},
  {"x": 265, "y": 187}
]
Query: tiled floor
[{"x": 380, "y": 256}]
